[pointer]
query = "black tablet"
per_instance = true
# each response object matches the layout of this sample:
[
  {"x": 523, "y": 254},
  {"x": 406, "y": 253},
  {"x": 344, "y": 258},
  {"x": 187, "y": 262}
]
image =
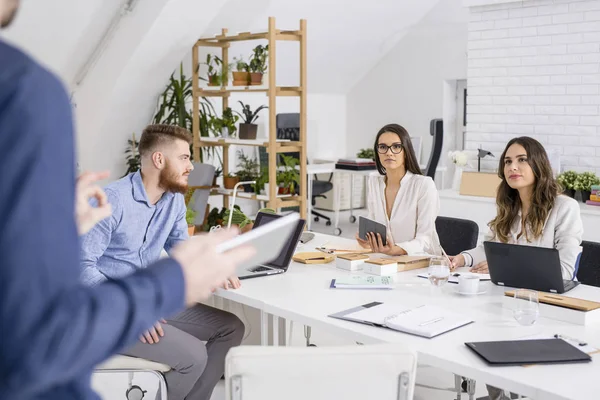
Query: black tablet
[{"x": 366, "y": 225}]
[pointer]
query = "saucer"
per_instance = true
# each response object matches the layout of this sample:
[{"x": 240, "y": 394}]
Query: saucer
[{"x": 481, "y": 291}]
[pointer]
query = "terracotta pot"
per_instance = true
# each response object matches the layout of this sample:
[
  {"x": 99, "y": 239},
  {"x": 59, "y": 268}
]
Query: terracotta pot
[
  {"x": 191, "y": 230},
  {"x": 229, "y": 183},
  {"x": 256, "y": 78},
  {"x": 241, "y": 78},
  {"x": 284, "y": 190},
  {"x": 247, "y": 228},
  {"x": 248, "y": 131}
]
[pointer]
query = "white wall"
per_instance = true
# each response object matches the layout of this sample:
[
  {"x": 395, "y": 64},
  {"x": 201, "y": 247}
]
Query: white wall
[
  {"x": 406, "y": 86},
  {"x": 534, "y": 69}
]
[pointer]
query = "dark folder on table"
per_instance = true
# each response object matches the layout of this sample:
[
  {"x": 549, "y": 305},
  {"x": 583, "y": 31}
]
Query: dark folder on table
[{"x": 523, "y": 352}]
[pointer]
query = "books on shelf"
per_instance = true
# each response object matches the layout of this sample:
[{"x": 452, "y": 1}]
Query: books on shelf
[
  {"x": 356, "y": 164},
  {"x": 592, "y": 203},
  {"x": 362, "y": 282}
]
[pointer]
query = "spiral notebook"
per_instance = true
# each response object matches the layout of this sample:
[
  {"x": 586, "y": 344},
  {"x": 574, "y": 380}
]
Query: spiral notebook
[{"x": 425, "y": 320}]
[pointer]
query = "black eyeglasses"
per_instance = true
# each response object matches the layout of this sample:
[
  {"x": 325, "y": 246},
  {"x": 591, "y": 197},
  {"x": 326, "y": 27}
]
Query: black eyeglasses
[{"x": 382, "y": 148}]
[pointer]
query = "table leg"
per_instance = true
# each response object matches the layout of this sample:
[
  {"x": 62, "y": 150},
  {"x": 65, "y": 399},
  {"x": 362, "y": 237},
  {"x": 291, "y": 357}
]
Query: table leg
[
  {"x": 337, "y": 195},
  {"x": 275, "y": 331},
  {"x": 264, "y": 328},
  {"x": 351, "y": 196},
  {"x": 309, "y": 205}
]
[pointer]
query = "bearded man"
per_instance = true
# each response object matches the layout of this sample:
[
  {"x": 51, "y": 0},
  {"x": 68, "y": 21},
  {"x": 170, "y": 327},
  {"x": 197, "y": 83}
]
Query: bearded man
[{"x": 149, "y": 216}]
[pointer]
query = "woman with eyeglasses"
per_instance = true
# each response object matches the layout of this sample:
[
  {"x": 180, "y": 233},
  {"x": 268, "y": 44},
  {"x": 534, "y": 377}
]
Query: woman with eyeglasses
[
  {"x": 401, "y": 198},
  {"x": 530, "y": 209}
]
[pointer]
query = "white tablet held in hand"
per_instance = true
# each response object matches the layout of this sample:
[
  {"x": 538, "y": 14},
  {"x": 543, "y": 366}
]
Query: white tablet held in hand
[{"x": 268, "y": 240}]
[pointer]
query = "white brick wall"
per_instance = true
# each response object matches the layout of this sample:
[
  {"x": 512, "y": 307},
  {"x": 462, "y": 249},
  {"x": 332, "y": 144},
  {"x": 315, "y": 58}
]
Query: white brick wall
[{"x": 534, "y": 69}]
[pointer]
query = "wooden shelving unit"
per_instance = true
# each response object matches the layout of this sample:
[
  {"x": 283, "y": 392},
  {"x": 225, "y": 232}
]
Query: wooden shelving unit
[{"x": 272, "y": 91}]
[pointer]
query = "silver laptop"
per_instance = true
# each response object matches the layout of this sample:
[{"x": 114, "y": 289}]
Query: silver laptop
[{"x": 281, "y": 263}]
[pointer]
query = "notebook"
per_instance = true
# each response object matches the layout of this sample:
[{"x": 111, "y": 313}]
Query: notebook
[
  {"x": 522, "y": 352},
  {"x": 362, "y": 282},
  {"x": 425, "y": 320},
  {"x": 454, "y": 276}
]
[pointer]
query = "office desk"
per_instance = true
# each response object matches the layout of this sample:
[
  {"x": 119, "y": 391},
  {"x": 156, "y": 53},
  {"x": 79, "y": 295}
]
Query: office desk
[{"x": 302, "y": 295}]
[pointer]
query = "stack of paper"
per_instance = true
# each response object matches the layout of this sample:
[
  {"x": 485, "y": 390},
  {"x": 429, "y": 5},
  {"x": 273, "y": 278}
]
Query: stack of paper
[{"x": 362, "y": 282}]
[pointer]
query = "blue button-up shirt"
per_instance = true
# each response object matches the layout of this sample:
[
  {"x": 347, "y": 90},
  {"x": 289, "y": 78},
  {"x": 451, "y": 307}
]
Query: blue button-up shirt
[{"x": 133, "y": 237}]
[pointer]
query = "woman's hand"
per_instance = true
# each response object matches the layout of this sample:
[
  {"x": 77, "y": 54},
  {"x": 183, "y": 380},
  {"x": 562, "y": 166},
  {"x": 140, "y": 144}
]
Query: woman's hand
[
  {"x": 363, "y": 243},
  {"x": 377, "y": 246},
  {"x": 481, "y": 268},
  {"x": 457, "y": 261}
]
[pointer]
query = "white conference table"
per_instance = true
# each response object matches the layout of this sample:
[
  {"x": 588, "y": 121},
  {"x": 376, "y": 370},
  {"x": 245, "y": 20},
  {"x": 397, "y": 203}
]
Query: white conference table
[{"x": 302, "y": 295}]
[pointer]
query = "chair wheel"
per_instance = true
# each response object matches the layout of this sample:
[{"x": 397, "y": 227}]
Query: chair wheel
[
  {"x": 328, "y": 223},
  {"x": 337, "y": 232},
  {"x": 135, "y": 393},
  {"x": 316, "y": 219},
  {"x": 312, "y": 345},
  {"x": 352, "y": 219}
]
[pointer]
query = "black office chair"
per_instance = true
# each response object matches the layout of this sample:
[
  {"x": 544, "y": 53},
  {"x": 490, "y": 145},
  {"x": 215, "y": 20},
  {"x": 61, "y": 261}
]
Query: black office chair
[
  {"x": 456, "y": 234},
  {"x": 436, "y": 129},
  {"x": 588, "y": 272}
]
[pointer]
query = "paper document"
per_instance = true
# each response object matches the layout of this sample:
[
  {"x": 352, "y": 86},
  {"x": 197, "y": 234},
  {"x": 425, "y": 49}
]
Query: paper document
[
  {"x": 427, "y": 321},
  {"x": 362, "y": 282}
]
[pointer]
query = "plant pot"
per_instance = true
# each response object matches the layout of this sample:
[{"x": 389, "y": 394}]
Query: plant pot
[
  {"x": 213, "y": 80},
  {"x": 248, "y": 131},
  {"x": 225, "y": 132},
  {"x": 191, "y": 230},
  {"x": 247, "y": 228},
  {"x": 230, "y": 182},
  {"x": 256, "y": 78},
  {"x": 583, "y": 195},
  {"x": 214, "y": 181},
  {"x": 569, "y": 192},
  {"x": 248, "y": 188},
  {"x": 241, "y": 78},
  {"x": 284, "y": 190}
]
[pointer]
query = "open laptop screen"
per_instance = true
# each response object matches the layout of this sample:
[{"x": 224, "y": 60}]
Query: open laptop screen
[{"x": 283, "y": 260}]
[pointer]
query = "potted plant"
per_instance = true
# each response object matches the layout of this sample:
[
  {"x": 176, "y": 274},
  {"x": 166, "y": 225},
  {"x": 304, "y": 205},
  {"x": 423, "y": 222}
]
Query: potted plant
[
  {"x": 567, "y": 181},
  {"x": 247, "y": 170},
  {"x": 241, "y": 77},
  {"x": 230, "y": 180},
  {"x": 238, "y": 218},
  {"x": 218, "y": 173},
  {"x": 289, "y": 178},
  {"x": 213, "y": 218},
  {"x": 226, "y": 124},
  {"x": 217, "y": 71},
  {"x": 366, "y": 153},
  {"x": 190, "y": 218},
  {"x": 258, "y": 64},
  {"x": 583, "y": 185},
  {"x": 248, "y": 128},
  {"x": 262, "y": 182},
  {"x": 133, "y": 156}
]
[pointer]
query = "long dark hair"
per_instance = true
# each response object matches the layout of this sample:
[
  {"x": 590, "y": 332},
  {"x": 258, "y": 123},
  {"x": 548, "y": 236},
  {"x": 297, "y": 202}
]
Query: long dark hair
[
  {"x": 508, "y": 202},
  {"x": 410, "y": 159}
]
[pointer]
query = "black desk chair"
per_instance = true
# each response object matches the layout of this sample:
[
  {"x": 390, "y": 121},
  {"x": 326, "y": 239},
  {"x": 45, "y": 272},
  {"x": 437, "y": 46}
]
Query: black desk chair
[
  {"x": 588, "y": 272},
  {"x": 456, "y": 234},
  {"x": 436, "y": 129},
  {"x": 288, "y": 127}
]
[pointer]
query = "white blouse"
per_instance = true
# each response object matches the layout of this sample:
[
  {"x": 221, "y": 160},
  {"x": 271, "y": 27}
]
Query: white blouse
[
  {"x": 563, "y": 231},
  {"x": 416, "y": 207}
]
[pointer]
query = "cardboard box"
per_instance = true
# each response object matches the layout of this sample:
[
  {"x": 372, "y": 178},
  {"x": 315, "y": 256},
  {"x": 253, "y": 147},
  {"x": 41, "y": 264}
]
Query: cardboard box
[
  {"x": 481, "y": 184},
  {"x": 407, "y": 263},
  {"x": 381, "y": 266},
  {"x": 351, "y": 262}
]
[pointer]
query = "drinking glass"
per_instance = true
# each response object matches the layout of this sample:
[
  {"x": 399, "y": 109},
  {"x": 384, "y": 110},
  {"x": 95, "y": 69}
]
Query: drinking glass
[
  {"x": 439, "y": 271},
  {"x": 527, "y": 307}
]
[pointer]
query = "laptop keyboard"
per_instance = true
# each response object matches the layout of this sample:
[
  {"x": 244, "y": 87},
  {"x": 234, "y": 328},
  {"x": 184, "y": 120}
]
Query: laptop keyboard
[{"x": 260, "y": 269}]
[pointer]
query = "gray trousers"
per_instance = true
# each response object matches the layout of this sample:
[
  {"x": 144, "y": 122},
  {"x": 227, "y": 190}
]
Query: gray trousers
[{"x": 195, "y": 367}]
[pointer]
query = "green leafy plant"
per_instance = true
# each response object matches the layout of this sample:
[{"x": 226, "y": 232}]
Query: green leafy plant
[
  {"x": 247, "y": 167},
  {"x": 241, "y": 65},
  {"x": 231, "y": 175},
  {"x": 567, "y": 179},
  {"x": 217, "y": 71},
  {"x": 227, "y": 121},
  {"x": 218, "y": 172},
  {"x": 214, "y": 218},
  {"x": 237, "y": 217},
  {"x": 585, "y": 181},
  {"x": 248, "y": 116},
  {"x": 267, "y": 211},
  {"x": 134, "y": 162},
  {"x": 261, "y": 180},
  {"x": 258, "y": 61},
  {"x": 290, "y": 176},
  {"x": 190, "y": 216},
  {"x": 366, "y": 153}
]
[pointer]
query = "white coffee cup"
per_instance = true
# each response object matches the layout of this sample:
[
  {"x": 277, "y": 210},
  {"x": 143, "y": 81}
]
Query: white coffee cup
[{"x": 468, "y": 284}]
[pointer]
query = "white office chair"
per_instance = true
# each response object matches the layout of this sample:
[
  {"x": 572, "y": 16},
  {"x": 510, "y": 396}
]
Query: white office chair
[
  {"x": 383, "y": 372},
  {"x": 120, "y": 364}
]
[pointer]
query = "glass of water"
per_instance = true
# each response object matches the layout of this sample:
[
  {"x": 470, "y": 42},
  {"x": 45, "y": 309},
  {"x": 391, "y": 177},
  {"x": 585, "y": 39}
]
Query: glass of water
[
  {"x": 527, "y": 307},
  {"x": 439, "y": 271}
]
